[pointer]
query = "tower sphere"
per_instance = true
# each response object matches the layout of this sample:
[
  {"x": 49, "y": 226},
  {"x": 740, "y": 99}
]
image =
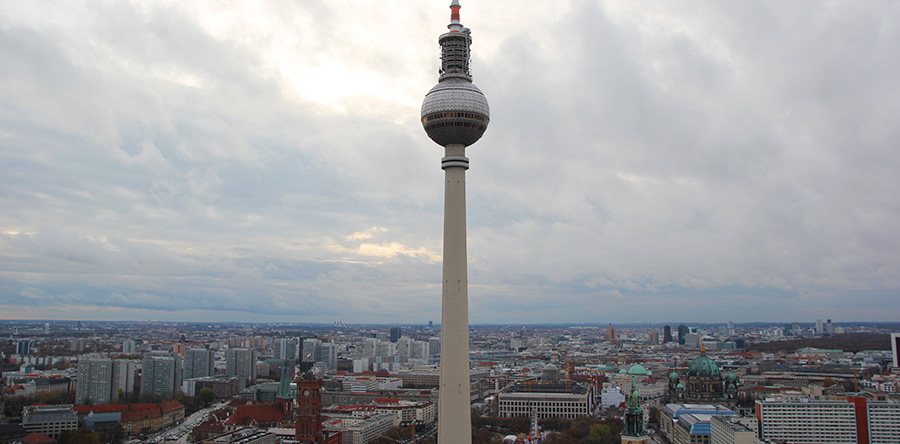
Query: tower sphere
[{"x": 455, "y": 111}]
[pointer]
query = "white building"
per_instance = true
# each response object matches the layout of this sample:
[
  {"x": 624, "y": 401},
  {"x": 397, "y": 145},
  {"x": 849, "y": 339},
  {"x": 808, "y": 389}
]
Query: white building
[
  {"x": 805, "y": 421},
  {"x": 550, "y": 401},
  {"x": 884, "y": 422},
  {"x": 50, "y": 420},
  {"x": 360, "y": 427},
  {"x": 729, "y": 430}
]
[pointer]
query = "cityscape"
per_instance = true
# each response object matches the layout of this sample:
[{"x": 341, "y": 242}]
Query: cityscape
[
  {"x": 221, "y": 224},
  {"x": 203, "y": 382}
]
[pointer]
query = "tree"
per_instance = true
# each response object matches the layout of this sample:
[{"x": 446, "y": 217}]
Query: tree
[
  {"x": 207, "y": 395},
  {"x": 78, "y": 437}
]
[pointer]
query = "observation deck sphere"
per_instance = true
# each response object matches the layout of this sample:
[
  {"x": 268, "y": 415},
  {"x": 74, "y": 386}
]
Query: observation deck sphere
[{"x": 455, "y": 111}]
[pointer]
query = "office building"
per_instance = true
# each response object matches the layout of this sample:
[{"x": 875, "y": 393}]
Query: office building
[
  {"x": 396, "y": 332},
  {"x": 895, "y": 350},
  {"x": 286, "y": 349},
  {"x": 199, "y": 363},
  {"x": 569, "y": 401},
  {"x": 667, "y": 334},
  {"x": 729, "y": 430},
  {"x": 161, "y": 374},
  {"x": 241, "y": 362},
  {"x": 455, "y": 114},
  {"x": 672, "y": 415}
]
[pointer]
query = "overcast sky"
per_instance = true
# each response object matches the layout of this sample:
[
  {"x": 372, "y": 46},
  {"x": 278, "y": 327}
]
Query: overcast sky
[{"x": 661, "y": 161}]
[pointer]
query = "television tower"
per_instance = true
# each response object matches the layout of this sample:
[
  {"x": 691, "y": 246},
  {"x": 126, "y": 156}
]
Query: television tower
[{"x": 455, "y": 114}]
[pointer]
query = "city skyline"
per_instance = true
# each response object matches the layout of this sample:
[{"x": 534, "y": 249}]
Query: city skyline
[{"x": 654, "y": 162}]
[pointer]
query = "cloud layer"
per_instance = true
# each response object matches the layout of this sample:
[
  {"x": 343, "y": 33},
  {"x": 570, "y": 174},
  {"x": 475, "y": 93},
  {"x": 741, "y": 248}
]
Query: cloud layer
[{"x": 656, "y": 162}]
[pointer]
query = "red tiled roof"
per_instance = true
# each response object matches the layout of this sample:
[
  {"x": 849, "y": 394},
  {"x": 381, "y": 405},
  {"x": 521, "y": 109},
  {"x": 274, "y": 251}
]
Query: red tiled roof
[
  {"x": 37, "y": 438},
  {"x": 268, "y": 413},
  {"x": 141, "y": 414},
  {"x": 170, "y": 405}
]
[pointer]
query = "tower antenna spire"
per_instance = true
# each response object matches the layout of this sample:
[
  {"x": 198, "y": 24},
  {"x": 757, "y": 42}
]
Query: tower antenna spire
[{"x": 455, "y": 25}]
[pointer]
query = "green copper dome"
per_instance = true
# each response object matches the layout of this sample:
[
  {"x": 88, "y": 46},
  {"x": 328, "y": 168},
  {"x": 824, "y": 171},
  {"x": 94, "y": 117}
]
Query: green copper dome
[
  {"x": 704, "y": 367},
  {"x": 673, "y": 375},
  {"x": 638, "y": 369}
]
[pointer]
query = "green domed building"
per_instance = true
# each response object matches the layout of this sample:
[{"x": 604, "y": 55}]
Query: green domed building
[{"x": 703, "y": 381}]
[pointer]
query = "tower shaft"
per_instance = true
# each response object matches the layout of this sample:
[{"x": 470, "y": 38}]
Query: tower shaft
[{"x": 454, "y": 416}]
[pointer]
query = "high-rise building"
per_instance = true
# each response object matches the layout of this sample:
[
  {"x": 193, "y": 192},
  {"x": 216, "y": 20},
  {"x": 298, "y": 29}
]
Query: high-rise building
[
  {"x": 610, "y": 333},
  {"x": 241, "y": 362},
  {"x": 895, "y": 349},
  {"x": 654, "y": 337},
  {"x": 396, "y": 332},
  {"x": 682, "y": 333},
  {"x": 129, "y": 346},
  {"x": 161, "y": 374},
  {"x": 286, "y": 348},
  {"x": 667, "y": 334},
  {"x": 23, "y": 347},
  {"x": 199, "y": 363},
  {"x": 102, "y": 380},
  {"x": 820, "y": 329},
  {"x": 455, "y": 114}
]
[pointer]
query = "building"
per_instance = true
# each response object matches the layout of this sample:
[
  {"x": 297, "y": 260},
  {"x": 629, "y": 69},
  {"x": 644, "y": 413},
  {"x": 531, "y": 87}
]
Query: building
[
  {"x": 286, "y": 349},
  {"x": 569, "y": 401},
  {"x": 672, "y": 415},
  {"x": 883, "y": 422},
  {"x": 241, "y": 362},
  {"x": 359, "y": 427},
  {"x": 729, "y": 430},
  {"x": 396, "y": 332},
  {"x": 803, "y": 421},
  {"x": 23, "y": 347},
  {"x": 199, "y": 363},
  {"x": 50, "y": 420},
  {"x": 895, "y": 349},
  {"x": 704, "y": 381},
  {"x": 102, "y": 380},
  {"x": 455, "y": 114},
  {"x": 634, "y": 418},
  {"x": 161, "y": 374},
  {"x": 667, "y": 334},
  {"x": 309, "y": 419}
]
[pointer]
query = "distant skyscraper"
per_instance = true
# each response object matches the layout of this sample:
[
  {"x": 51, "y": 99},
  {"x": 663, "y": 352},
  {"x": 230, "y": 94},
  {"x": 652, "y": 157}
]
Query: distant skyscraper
[
  {"x": 129, "y": 346},
  {"x": 198, "y": 363},
  {"x": 730, "y": 327},
  {"x": 667, "y": 334},
  {"x": 100, "y": 380},
  {"x": 23, "y": 347},
  {"x": 161, "y": 374},
  {"x": 654, "y": 337},
  {"x": 241, "y": 362},
  {"x": 820, "y": 329},
  {"x": 829, "y": 328},
  {"x": 682, "y": 333},
  {"x": 455, "y": 114},
  {"x": 610, "y": 333},
  {"x": 396, "y": 332},
  {"x": 895, "y": 348},
  {"x": 286, "y": 348}
]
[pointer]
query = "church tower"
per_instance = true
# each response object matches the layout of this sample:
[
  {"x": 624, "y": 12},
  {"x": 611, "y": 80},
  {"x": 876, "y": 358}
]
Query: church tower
[{"x": 634, "y": 419}]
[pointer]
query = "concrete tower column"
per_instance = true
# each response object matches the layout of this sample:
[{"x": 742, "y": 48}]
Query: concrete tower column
[{"x": 454, "y": 422}]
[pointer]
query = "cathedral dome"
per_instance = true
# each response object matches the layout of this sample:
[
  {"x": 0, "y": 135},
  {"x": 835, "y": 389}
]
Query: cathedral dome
[
  {"x": 673, "y": 375},
  {"x": 638, "y": 369},
  {"x": 704, "y": 367}
]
